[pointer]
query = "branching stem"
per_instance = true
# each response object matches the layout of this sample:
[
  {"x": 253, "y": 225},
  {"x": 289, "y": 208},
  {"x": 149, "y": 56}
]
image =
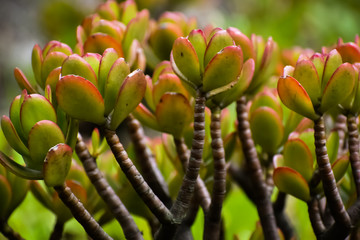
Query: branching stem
[{"x": 354, "y": 150}]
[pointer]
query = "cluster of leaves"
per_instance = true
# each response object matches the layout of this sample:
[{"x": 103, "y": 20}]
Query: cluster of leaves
[{"x": 184, "y": 83}]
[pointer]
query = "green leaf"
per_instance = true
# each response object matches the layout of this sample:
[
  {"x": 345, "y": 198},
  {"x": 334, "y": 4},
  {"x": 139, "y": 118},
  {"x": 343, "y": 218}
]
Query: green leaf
[
  {"x": 12, "y": 136},
  {"x": 109, "y": 28},
  {"x": 167, "y": 82},
  {"x": 173, "y": 113},
  {"x": 266, "y": 99},
  {"x": 109, "y": 57},
  {"x": 15, "y": 115},
  {"x": 22, "y": 81},
  {"x": 51, "y": 61},
  {"x": 340, "y": 167},
  {"x": 44, "y": 135},
  {"x": 18, "y": 169},
  {"x": 146, "y": 117},
  {"x": 51, "y": 81},
  {"x": 34, "y": 109},
  {"x": 130, "y": 95},
  {"x": 318, "y": 60},
  {"x": 332, "y": 145},
  {"x": 136, "y": 29},
  {"x": 80, "y": 99},
  {"x": 185, "y": 62},
  {"x": 94, "y": 60},
  {"x": 76, "y": 65},
  {"x": 198, "y": 41},
  {"x": 332, "y": 62},
  {"x": 36, "y": 62},
  {"x": 297, "y": 156},
  {"x": 290, "y": 181},
  {"x": 350, "y": 52},
  {"x": 128, "y": 11},
  {"x": 99, "y": 42},
  {"x": 6, "y": 194},
  {"x": 57, "y": 165},
  {"x": 219, "y": 41},
  {"x": 305, "y": 73},
  {"x": 267, "y": 129},
  {"x": 294, "y": 96},
  {"x": 117, "y": 74},
  {"x": 224, "y": 67},
  {"x": 339, "y": 87},
  {"x": 243, "y": 41}
]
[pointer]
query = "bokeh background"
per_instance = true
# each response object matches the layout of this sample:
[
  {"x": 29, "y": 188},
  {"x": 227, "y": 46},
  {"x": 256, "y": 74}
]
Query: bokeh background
[{"x": 305, "y": 23}]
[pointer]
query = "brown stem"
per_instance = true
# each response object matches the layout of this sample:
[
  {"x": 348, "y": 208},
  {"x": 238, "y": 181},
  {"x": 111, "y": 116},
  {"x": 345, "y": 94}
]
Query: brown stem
[
  {"x": 106, "y": 192},
  {"x": 79, "y": 212},
  {"x": 149, "y": 168},
  {"x": 201, "y": 192},
  {"x": 183, "y": 200},
  {"x": 136, "y": 179},
  {"x": 184, "y": 230},
  {"x": 242, "y": 179},
  {"x": 327, "y": 176},
  {"x": 315, "y": 217},
  {"x": 282, "y": 219},
  {"x": 354, "y": 150},
  {"x": 340, "y": 127},
  {"x": 8, "y": 232},
  {"x": 262, "y": 197},
  {"x": 57, "y": 231},
  {"x": 213, "y": 217}
]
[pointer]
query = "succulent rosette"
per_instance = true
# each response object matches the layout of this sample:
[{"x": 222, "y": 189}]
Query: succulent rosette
[
  {"x": 316, "y": 84},
  {"x": 33, "y": 132},
  {"x": 46, "y": 65},
  {"x": 120, "y": 27},
  {"x": 169, "y": 109},
  {"x": 95, "y": 86},
  {"x": 294, "y": 169}
]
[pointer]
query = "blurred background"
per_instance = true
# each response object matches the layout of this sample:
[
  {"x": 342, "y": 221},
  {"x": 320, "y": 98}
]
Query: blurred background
[{"x": 305, "y": 23}]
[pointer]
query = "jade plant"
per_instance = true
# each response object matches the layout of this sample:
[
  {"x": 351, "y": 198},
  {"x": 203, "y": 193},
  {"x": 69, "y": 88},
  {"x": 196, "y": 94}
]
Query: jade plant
[{"x": 224, "y": 110}]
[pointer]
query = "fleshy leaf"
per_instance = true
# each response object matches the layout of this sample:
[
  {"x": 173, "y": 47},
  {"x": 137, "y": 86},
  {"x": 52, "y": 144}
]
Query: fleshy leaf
[
  {"x": 319, "y": 62},
  {"x": 219, "y": 41},
  {"x": 15, "y": 115},
  {"x": 167, "y": 83},
  {"x": 333, "y": 61},
  {"x": 94, "y": 60},
  {"x": 35, "y": 108},
  {"x": 12, "y": 136},
  {"x": 136, "y": 28},
  {"x": 290, "y": 181},
  {"x": 332, "y": 145},
  {"x": 128, "y": 11},
  {"x": 22, "y": 81},
  {"x": 185, "y": 59},
  {"x": 297, "y": 156},
  {"x": 145, "y": 117},
  {"x": 76, "y": 65},
  {"x": 339, "y": 87},
  {"x": 80, "y": 99},
  {"x": 198, "y": 41},
  {"x": 117, "y": 74},
  {"x": 266, "y": 99},
  {"x": 267, "y": 129},
  {"x": 130, "y": 95},
  {"x": 224, "y": 68},
  {"x": 109, "y": 57},
  {"x": 44, "y": 135},
  {"x": 340, "y": 167},
  {"x": 305, "y": 73},
  {"x": 36, "y": 62},
  {"x": 57, "y": 165},
  {"x": 51, "y": 61},
  {"x": 173, "y": 113},
  {"x": 109, "y": 28},
  {"x": 243, "y": 41},
  {"x": 350, "y": 52},
  {"x": 294, "y": 96},
  {"x": 99, "y": 42},
  {"x": 6, "y": 195}
]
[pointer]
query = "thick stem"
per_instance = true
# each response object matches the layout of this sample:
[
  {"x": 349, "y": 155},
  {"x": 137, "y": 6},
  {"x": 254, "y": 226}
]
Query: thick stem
[
  {"x": 201, "y": 192},
  {"x": 149, "y": 168},
  {"x": 331, "y": 192},
  {"x": 106, "y": 192},
  {"x": 340, "y": 127},
  {"x": 139, "y": 184},
  {"x": 57, "y": 231},
  {"x": 315, "y": 217},
  {"x": 354, "y": 151},
  {"x": 282, "y": 219},
  {"x": 213, "y": 217},
  {"x": 92, "y": 228},
  {"x": 184, "y": 230},
  {"x": 242, "y": 179},
  {"x": 8, "y": 232},
  {"x": 183, "y": 200},
  {"x": 261, "y": 195}
]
